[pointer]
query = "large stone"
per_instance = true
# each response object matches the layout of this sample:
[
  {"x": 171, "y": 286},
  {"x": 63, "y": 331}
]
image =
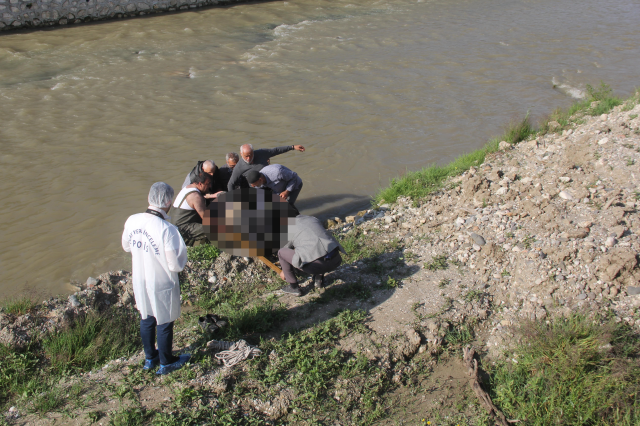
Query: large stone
[
  {"x": 504, "y": 145},
  {"x": 633, "y": 291},
  {"x": 74, "y": 302},
  {"x": 565, "y": 195},
  {"x": 478, "y": 239}
]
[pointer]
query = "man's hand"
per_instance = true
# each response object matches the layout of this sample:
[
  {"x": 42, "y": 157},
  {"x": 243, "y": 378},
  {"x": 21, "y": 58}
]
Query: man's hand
[
  {"x": 284, "y": 194},
  {"x": 298, "y": 148},
  {"x": 282, "y": 275},
  {"x": 213, "y": 196}
]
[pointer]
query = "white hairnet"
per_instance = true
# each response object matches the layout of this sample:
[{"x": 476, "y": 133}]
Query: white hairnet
[{"x": 160, "y": 195}]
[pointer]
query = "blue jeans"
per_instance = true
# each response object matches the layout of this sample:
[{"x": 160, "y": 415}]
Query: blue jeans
[{"x": 165, "y": 340}]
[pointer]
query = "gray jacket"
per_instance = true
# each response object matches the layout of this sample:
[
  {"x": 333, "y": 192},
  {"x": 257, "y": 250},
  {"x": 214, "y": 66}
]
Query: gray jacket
[{"x": 310, "y": 241}]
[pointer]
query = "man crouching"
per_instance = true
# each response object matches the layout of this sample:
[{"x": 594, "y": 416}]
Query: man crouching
[
  {"x": 158, "y": 253},
  {"x": 310, "y": 248}
]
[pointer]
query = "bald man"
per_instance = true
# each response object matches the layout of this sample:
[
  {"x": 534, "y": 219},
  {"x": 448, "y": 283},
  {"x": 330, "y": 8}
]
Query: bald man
[
  {"x": 255, "y": 160},
  {"x": 209, "y": 167}
]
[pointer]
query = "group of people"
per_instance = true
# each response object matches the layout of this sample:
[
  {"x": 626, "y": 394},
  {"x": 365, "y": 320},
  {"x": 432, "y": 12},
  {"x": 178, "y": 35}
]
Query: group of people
[
  {"x": 159, "y": 248},
  {"x": 206, "y": 181}
]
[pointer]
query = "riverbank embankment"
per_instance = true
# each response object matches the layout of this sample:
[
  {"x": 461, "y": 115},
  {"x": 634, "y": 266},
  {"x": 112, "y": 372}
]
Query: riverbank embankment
[
  {"x": 528, "y": 252},
  {"x": 42, "y": 13}
]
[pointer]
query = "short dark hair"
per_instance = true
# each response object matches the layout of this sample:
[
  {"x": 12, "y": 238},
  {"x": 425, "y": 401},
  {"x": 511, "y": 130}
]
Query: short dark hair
[
  {"x": 201, "y": 177},
  {"x": 253, "y": 176}
]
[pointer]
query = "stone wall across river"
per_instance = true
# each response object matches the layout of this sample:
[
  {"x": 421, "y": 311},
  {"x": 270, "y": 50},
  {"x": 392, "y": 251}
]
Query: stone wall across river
[{"x": 15, "y": 14}]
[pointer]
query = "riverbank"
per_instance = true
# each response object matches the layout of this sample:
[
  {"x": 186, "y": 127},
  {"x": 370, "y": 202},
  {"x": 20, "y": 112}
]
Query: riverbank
[
  {"x": 533, "y": 241},
  {"x": 41, "y": 13}
]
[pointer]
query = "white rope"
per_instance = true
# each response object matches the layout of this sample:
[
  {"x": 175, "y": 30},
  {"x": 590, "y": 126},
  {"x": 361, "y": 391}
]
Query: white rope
[{"x": 233, "y": 353}]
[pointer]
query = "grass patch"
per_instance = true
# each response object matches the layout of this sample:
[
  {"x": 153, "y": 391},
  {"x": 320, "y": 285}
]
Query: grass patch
[
  {"x": 204, "y": 255},
  {"x": 437, "y": 262},
  {"x": 30, "y": 373},
  {"x": 359, "y": 246},
  {"x": 315, "y": 370},
  {"x": 18, "y": 306},
  {"x": 245, "y": 313},
  {"x": 571, "y": 371},
  {"x": 92, "y": 340}
]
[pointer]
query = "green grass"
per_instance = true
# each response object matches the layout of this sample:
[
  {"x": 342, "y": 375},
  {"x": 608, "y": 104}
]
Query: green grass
[
  {"x": 204, "y": 255},
  {"x": 310, "y": 364},
  {"x": 30, "y": 373},
  {"x": 18, "y": 306},
  {"x": 438, "y": 262},
  {"x": 246, "y": 313},
  {"x": 361, "y": 247},
  {"x": 419, "y": 184},
  {"x": 571, "y": 371},
  {"x": 93, "y": 340}
]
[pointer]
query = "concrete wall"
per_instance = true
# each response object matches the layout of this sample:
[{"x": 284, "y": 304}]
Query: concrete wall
[{"x": 16, "y": 14}]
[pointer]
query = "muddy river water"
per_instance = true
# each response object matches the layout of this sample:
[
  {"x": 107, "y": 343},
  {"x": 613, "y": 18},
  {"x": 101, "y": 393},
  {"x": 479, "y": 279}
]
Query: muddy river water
[{"x": 92, "y": 115}]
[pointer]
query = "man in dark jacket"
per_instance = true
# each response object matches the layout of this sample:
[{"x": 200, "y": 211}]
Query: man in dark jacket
[
  {"x": 312, "y": 249},
  {"x": 255, "y": 160},
  {"x": 227, "y": 170},
  {"x": 210, "y": 168}
]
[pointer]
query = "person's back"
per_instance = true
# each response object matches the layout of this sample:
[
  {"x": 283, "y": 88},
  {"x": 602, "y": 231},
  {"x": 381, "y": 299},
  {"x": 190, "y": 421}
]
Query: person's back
[
  {"x": 149, "y": 237},
  {"x": 158, "y": 253},
  {"x": 310, "y": 240}
]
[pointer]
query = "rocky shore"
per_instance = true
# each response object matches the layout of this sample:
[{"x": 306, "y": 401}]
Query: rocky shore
[{"x": 543, "y": 229}]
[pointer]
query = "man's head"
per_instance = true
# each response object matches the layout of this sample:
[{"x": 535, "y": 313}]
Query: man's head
[
  {"x": 255, "y": 179},
  {"x": 202, "y": 181},
  {"x": 160, "y": 195},
  {"x": 246, "y": 151},
  {"x": 209, "y": 167},
  {"x": 232, "y": 159}
]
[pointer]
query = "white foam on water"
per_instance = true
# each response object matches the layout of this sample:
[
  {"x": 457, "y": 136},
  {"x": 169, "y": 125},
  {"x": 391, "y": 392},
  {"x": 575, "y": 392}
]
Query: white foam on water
[
  {"x": 58, "y": 86},
  {"x": 574, "y": 92},
  {"x": 285, "y": 29}
]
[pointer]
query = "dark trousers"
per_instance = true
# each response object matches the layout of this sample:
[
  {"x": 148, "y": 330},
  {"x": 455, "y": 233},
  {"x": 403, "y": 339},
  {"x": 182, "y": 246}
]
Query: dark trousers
[
  {"x": 148, "y": 328},
  {"x": 318, "y": 266}
]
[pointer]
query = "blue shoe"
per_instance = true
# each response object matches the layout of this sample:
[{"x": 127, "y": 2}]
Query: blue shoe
[
  {"x": 166, "y": 369},
  {"x": 151, "y": 363}
]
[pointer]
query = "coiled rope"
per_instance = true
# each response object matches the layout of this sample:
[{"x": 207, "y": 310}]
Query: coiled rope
[{"x": 233, "y": 352}]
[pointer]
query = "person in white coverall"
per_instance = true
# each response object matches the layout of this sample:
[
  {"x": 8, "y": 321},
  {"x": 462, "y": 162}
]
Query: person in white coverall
[{"x": 158, "y": 253}]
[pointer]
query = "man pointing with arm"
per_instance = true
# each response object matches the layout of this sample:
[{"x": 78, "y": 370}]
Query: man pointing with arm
[{"x": 257, "y": 159}]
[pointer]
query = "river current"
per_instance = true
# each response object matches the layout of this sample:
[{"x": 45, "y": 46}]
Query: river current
[{"x": 93, "y": 115}]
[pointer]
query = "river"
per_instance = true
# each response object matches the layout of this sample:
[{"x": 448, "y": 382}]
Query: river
[{"x": 93, "y": 115}]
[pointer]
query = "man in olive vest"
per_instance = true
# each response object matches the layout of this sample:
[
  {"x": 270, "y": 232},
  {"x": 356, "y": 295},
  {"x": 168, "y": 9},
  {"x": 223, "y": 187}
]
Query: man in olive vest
[{"x": 189, "y": 209}]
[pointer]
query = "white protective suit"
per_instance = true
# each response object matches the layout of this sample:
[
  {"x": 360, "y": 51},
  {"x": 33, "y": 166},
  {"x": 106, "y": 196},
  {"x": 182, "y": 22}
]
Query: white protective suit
[{"x": 158, "y": 254}]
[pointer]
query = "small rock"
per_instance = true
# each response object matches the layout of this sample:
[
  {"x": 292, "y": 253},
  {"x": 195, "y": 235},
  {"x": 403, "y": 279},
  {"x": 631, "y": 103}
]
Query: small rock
[
  {"x": 603, "y": 141},
  {"x": 73, "y": 301},
  {"x": 91, "y": 282},
  {"x": 581, "y": 296},
  {"x": 213, "y": 279},
  {"x": 503, "y": 145},
  {"x": 610, "y": 242},
  {"x": 350, "y": 219},
  {"x": 502, "y": 191},
  {"x": 633, "y": 291},
  {"x": 477, "y": 239},
  {"x": 565, "y": 195},
  {"x": 604, "y": 117},
  {"x": 388, "y": 219}
]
